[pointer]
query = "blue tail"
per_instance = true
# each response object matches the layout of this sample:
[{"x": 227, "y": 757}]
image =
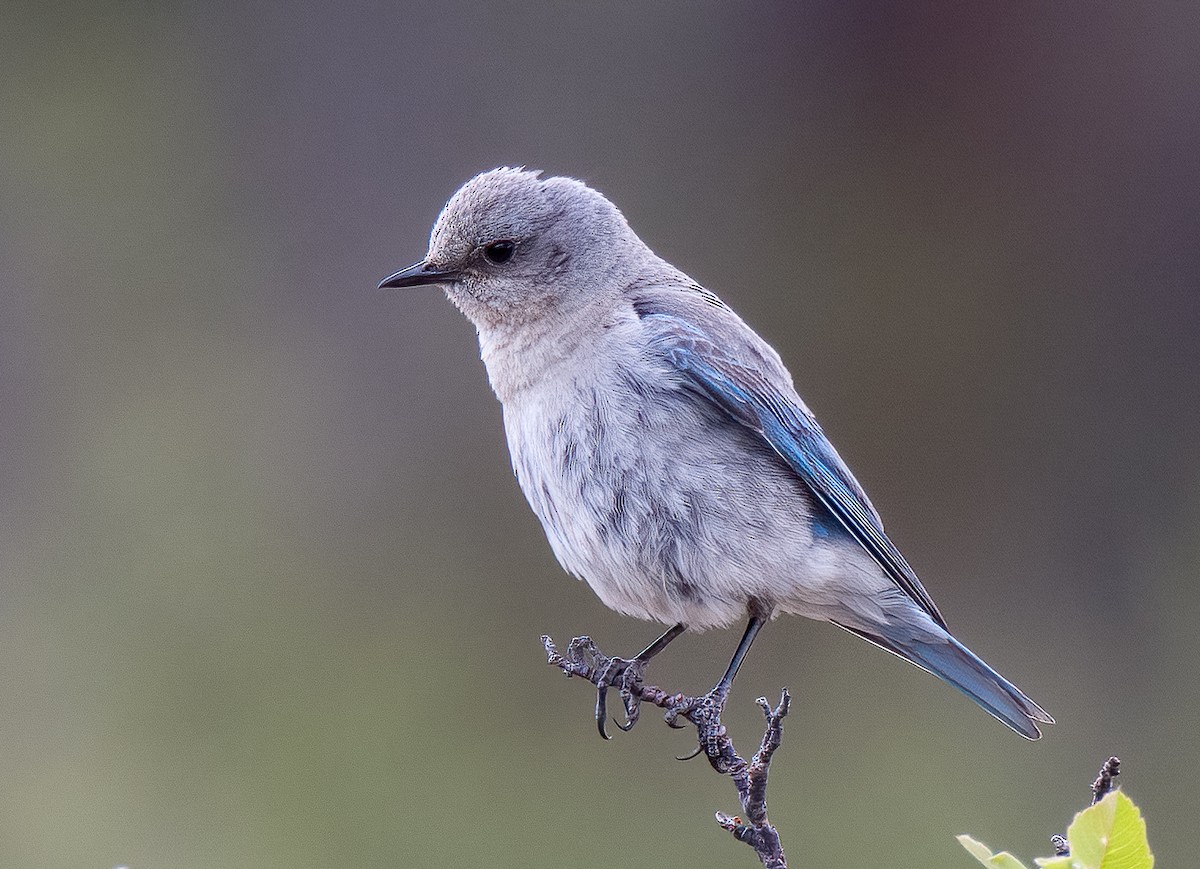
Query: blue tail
[{"x": 954, "y": 663}]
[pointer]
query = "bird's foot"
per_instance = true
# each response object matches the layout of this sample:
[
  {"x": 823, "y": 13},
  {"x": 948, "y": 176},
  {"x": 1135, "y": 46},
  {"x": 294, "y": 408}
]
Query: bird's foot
[
  {"x": 583, "y": 658},
  {"x": 624, "y": 674},
  {"x": 705, "y": 713}
]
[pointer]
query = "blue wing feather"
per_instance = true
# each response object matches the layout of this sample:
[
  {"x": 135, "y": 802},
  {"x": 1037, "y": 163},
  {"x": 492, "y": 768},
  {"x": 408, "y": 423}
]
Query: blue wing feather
[{"x": 748, "y": 396}]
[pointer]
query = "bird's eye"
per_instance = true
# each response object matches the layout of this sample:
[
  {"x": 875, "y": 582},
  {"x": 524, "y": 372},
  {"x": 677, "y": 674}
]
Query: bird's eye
[{"x": 500, "y": 251}]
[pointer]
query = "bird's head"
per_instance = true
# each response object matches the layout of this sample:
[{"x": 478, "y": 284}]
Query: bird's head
[{"x": 510, "y": 246}]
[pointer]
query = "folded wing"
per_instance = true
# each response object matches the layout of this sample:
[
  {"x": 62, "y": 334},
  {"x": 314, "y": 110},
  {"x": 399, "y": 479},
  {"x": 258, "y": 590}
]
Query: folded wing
[{"x": 723, "y": 361}]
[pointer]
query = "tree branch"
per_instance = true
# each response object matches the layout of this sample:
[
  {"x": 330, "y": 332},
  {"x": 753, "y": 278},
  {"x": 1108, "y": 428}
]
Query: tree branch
[{"x": 585, "y": 660}]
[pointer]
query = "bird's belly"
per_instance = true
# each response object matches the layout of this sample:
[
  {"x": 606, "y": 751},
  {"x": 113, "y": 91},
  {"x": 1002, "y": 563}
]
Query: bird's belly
[{"x": 667, "y": 510}]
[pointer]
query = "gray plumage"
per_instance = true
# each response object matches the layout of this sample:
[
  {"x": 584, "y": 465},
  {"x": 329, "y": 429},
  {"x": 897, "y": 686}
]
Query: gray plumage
[{"x": 659, "y": 439}]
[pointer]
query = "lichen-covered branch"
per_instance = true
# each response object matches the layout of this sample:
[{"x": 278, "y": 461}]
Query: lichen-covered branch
[{"x": 585, "y": 660}]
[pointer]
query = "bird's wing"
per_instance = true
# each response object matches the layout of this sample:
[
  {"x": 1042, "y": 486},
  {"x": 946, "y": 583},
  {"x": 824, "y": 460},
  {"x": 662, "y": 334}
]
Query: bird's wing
[{"x": 725, "y": 362}]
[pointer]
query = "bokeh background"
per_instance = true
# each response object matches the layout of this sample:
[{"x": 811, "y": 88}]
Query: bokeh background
[{"x": 269, "y": 594}]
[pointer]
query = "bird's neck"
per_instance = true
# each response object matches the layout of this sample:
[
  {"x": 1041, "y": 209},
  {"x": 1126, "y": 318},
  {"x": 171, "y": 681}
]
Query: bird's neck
[{"x": 522, "y": 356}]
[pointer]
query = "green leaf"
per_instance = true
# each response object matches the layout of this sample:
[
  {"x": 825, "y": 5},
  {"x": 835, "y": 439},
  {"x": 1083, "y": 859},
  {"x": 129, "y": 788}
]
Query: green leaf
[
  {"x": 1108, "y": 835},
  {"x": 1056, "y": 863},
  {"x": 984, "y": 855}
]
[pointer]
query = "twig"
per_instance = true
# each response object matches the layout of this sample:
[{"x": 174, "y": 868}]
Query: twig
[
  {"x": 1104, "y": 782},
  {"x": 585, "y": 660},
  {"x": 751, "y": 782},
  {"x": 1100, "y": 788}
]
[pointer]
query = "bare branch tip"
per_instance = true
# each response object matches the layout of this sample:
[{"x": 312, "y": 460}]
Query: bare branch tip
[{"x": 1104, "y": 782}]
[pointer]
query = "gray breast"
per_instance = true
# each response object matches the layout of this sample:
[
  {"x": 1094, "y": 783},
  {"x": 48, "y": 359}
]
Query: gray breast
[{"x": 641, "y": 488}]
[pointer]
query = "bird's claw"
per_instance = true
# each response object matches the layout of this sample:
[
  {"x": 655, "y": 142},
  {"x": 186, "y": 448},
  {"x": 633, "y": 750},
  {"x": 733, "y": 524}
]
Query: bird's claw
[
  {"x": 633, "y": 706},
  {"x": 602, "y": 710},
  {"x": 704, "y": 712},
  {"x": 633, "y": 711},
  {"x": 671, "y": 716},
  {"x": 583, "y": 658},
  {"x": 623, "y": 674}
]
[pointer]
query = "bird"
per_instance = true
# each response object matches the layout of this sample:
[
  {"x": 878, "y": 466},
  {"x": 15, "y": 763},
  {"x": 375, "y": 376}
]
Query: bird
[{"x": 662, "y": 444}]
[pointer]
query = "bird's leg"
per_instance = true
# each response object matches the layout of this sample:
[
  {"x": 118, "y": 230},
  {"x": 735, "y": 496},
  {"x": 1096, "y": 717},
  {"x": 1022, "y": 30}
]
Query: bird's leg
[{"x": 705, "y": 711}]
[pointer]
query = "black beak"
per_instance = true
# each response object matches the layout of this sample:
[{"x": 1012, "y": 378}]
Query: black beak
[{"x": 418, "y": 275}]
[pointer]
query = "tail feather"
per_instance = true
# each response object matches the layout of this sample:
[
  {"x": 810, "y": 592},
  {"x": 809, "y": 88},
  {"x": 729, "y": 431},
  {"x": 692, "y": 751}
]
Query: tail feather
[{"x": 955, "y": 664}]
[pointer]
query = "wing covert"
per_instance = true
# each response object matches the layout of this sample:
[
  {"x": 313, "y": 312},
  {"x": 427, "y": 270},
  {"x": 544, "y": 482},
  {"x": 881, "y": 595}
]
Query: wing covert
[{"x": 748, "y": 395}]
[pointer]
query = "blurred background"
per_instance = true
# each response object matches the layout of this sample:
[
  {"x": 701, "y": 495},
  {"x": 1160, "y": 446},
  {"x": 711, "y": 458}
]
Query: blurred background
[{"x": 269, "y": 593}]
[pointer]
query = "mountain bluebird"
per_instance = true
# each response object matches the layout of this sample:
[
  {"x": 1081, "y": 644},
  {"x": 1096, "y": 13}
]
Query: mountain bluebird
[{"x": 661, "y": 443}]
